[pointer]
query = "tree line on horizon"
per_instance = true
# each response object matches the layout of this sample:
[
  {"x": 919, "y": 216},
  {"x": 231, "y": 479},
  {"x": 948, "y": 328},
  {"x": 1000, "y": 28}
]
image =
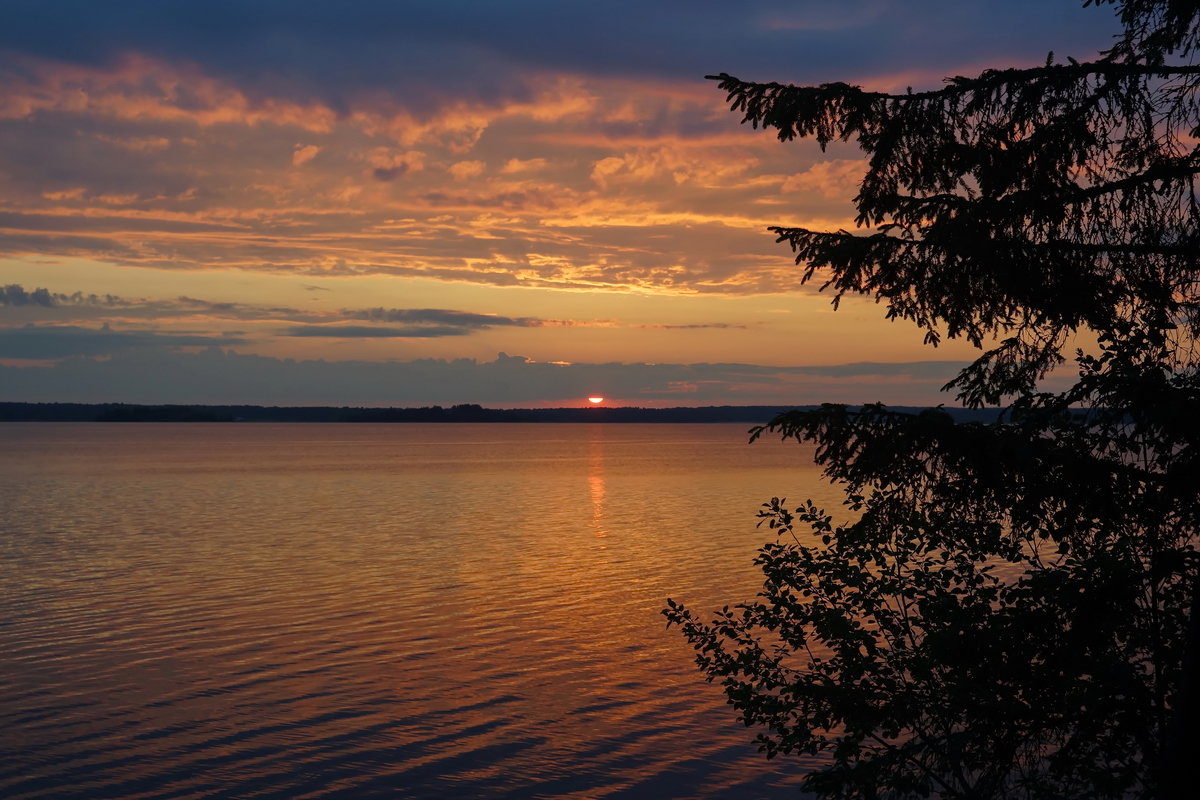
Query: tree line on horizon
[{"x": 464, "y": 412}]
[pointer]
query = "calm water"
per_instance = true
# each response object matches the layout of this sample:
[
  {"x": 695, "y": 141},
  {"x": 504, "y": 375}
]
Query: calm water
[{"x": 346, "y": 611}]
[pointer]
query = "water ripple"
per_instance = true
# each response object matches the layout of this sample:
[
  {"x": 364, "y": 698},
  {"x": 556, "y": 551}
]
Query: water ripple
[{"x": 277, "y": 611}]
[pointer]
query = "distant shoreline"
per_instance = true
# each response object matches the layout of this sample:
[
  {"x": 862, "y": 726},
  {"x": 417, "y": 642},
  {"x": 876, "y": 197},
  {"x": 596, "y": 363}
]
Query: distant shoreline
[{"x": 466, "y": 413}]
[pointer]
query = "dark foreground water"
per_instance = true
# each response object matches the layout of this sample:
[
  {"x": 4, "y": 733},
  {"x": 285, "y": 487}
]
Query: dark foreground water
[{"x": 358, "y": 611}]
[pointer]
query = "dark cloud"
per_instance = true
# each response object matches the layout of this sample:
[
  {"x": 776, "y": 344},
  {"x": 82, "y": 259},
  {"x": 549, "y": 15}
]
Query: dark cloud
[
  {"x": 370, "y": 332},
  {"x": 242, "y": 311},
  {"x": 423, "y": 52},
  {"x": 388, "y": 174},
  {"x": 62, "y": 310},
  {"x": 78, "y": 305},
  {"x": 159, "y": 375},
  {"x": 190, "y": 148},
  {"x": 16, "y": 295},
  {"x": 442, "y": 316},
  {"x": 418, "y": 322},
  {"x": 50, "y": 342}
]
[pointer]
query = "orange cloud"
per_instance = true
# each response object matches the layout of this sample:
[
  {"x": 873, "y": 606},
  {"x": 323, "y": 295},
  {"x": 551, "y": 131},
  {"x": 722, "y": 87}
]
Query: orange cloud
[
  {"x": 465, "y": 170},
  {"x": 302, "y": 154},
  {"x": 387, "y": 164},
  {"x": 596, "y": 184},
  {"x": 516, "y": 165},
  {"x": 139, "y": 88},
  {"x": 143, "y": 144},
  {"x": 834, "y": 180},
  {"x": 667, "y": 161},
  {"x": 459, "y": 125}
]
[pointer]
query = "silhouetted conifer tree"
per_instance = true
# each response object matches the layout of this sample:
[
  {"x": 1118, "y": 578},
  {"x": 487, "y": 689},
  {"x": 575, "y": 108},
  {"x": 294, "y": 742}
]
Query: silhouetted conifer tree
[{"x": 1008, "y": 610}]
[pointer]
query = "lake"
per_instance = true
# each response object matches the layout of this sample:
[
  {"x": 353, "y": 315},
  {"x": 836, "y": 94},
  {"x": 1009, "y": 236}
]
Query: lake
[{"x": 350, "y": 611}]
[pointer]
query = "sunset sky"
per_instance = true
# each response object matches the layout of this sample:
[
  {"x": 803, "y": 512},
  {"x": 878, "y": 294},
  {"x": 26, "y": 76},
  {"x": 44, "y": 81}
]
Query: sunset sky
[{"x": 408, "y": 203}]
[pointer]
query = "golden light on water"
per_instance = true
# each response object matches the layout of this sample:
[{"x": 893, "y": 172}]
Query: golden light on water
[
  {"x": 595, "y": 400},
  {"x": 347, "y": 630}
]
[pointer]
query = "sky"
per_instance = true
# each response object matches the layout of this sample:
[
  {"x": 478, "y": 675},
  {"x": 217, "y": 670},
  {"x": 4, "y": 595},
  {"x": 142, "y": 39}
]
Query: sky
[{"x": 386, "y": 203}]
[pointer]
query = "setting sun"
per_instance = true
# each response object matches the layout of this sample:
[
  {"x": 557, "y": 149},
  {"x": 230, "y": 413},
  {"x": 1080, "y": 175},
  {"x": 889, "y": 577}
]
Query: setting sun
[{"x": 595, "y": 400}]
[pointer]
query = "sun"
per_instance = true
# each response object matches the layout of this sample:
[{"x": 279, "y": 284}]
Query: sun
[{"x": 595, "y": 400}]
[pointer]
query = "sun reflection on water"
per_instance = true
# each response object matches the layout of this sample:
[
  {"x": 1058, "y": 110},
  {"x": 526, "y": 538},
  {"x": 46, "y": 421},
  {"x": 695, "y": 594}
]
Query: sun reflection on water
[{"x": 596, "y": 480}]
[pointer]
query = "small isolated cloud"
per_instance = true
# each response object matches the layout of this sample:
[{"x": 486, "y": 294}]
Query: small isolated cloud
[
  {"x": 465, "y": 170},
  {"x": 304, "y": 153},
  {"x": 516, "y": 165},
  {"x": 388, "y": 174},
  {"x": 388, "y": 165}
]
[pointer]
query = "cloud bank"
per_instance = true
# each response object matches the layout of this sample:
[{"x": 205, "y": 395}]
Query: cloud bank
[
  {"x": 139, "y": 373},
  {"x": 436, "y": 180},
  {"x": 571, "y": 146}
]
